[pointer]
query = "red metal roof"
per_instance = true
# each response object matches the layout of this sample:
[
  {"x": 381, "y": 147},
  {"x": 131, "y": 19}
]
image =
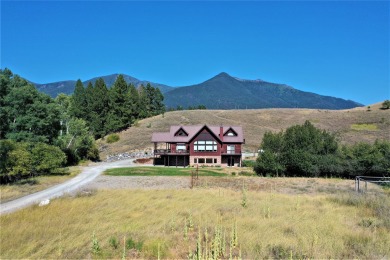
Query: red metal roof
[{"x": 193, "y": 130}]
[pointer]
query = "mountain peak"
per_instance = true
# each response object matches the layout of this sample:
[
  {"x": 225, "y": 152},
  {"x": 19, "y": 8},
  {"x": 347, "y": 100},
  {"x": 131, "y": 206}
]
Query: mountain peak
[{"x": 222, "y": 75}]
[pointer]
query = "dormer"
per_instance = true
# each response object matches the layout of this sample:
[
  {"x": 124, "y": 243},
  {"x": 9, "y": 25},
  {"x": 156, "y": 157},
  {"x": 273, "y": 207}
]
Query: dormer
[
  {"x": 230, "y": 132},
  {"x": 181, "y": 132}
]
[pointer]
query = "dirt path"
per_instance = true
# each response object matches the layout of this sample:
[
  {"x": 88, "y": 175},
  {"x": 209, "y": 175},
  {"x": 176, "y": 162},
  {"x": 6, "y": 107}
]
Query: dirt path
[{"x": 87, "y": 175}]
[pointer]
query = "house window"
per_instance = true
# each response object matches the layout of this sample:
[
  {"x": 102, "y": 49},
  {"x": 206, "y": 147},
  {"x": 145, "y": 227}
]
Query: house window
[
  {"x": 230, "y": 134},
  {"x": 180, "y": 147},
  {"x": 181, "y": 133},
  {"x": 205, "y": 146},
  {"x": 230, "y": 149},
  {"x": 209, "y": 160},
  {"x": 215, "y": 160},
  {"x": 201, "y": 160},
  {"x": 195, "y": 160}
]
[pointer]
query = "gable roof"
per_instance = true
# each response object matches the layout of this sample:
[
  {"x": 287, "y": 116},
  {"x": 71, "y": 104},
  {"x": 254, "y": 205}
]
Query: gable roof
[
  {"x": 193, "y": 131},
  {"x": 181, "y": 130},
  {"x": 230, "y": 130}
]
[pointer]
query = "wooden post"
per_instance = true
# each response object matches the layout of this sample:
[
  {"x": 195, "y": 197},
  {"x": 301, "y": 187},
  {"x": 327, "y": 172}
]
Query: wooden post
[
  {"x": 356, "y": 184},
  {"x": 176, "y": 161}
]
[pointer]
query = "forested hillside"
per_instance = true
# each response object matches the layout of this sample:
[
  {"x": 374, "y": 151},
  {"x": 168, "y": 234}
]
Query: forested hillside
[
  {"x": 68, "y": 86},
  {"x": 39, "y": 134},
  {"x": 226, "y": 92}
]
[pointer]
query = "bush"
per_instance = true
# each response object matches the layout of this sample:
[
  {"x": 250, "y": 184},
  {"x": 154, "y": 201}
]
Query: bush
[
  {"x": 112, "y": 138},
  {"x": 310, "y": 152},
  {"x": 248, "y": 163}
]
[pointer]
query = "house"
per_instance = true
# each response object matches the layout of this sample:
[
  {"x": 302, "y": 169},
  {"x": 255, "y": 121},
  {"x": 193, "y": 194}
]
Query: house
[{"x": 199, "y": 145}]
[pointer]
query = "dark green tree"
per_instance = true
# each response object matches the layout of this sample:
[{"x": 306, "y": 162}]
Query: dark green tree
[
  {"x": 79, "y": 101},
  {"x": 301, "y": 150},
  {"x": 31, "y": 115},
  {"x": 120, "y": 108},
  {"x": 98, "y": 105},
  {"x": 386, "y": 104}
]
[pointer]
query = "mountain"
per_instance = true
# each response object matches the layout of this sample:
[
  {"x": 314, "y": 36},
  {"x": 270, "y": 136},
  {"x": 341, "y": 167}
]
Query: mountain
[
  {"x": 221, "y": 92},
  {"x": 67, "y": 87},
  {"x": 226, "y": 92}
]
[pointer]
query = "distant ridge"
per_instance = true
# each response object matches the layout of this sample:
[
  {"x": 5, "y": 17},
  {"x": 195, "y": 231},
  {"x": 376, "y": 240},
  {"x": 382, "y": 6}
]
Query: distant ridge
[
  {"x": 67, "y": 87},
  {"x": 226, "y": 92},
  {"x": 222, "y": 92}
]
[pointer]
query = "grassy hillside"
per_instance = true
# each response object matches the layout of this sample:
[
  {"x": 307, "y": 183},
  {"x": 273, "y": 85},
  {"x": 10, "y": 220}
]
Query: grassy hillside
[{"x": 352, "y": 125}]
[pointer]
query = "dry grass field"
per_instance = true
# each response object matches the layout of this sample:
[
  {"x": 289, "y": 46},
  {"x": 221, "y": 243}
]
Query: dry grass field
[
  {"x": 350, "y": 125},
  {"x": 19, "y": 189},
  {"x": 173, "y": 223}
]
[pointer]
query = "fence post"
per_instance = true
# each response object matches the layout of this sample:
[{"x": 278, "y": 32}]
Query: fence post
[{"x": 356, "y": 184}]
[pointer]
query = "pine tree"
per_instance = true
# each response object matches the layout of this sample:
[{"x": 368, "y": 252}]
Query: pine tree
[
  {"x": 119, "y": 116},
  {"x": 98, "y": 105},
  {"x": 134, "y": 102},
  {"x": 78, "y": 101}
]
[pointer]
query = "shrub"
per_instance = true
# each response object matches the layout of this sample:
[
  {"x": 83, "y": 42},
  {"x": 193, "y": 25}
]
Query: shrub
[
  {"x": 386, "y": 104},
  {"x": 248, "y": 163},
  {"x": 112, "y": 138}
]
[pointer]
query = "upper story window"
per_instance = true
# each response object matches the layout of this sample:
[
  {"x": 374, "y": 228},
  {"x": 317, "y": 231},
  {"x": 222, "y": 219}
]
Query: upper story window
[
  {"x": 181, "y": 132},
  {"x": 205, "y": 146},
  {"x": 231, "y": 149},
  {"x": 180, "y": 147},
  {"x": 230, "y": 133}
]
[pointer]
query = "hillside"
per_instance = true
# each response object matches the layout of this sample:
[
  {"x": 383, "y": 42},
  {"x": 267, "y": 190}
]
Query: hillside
[
  {"x": 67, "y": 87},
  {"x": 351, "y": 125},
  {"x": 226, "y": 92}
]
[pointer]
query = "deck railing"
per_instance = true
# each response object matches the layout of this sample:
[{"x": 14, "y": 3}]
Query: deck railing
[{"x": 169, "y": 151}]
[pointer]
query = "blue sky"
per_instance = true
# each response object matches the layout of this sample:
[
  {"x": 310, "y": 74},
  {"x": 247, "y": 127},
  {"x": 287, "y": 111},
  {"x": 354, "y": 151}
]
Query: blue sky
[{"x": 331, "y": 48}]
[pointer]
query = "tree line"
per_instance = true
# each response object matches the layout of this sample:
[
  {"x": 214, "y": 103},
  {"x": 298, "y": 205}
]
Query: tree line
[
  {"x": 110, "y": 110},
  {"x": 306, "y": 151},
  {"x": 39, "y": 134}
]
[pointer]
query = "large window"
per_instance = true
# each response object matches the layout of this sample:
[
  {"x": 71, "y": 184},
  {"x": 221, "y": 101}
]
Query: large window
[
  {"x": 205, "y": 146},
  {"x": 230, "y": 149},
  {"x": 180, "y": 147}
]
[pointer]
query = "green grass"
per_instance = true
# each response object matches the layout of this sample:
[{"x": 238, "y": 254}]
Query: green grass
[
  {"x": 164, "y": 171},
  {"x": 364, "y": 127}
]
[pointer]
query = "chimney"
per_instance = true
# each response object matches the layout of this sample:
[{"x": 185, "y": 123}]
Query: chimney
[{"x": 221, "y": 133}]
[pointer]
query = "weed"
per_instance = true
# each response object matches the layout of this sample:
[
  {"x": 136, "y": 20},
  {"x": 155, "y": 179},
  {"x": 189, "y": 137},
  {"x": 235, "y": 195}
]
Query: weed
[
  {"x": 149, "y": 125},
  {"x": 95, "y": 248},
  {"x": 131, "y": 244},
  {"x": 112, "y": 138},
  {"x": 185, "y": 230},
  {"x": 124, "y": 248},
  {"x": 113, "y": 242},
  {"x": 244, "y": 202}
]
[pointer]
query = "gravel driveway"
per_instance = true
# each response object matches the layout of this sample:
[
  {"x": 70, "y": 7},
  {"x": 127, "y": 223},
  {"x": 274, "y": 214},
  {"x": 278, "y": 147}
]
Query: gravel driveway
[{"x": 88, "y": 174}]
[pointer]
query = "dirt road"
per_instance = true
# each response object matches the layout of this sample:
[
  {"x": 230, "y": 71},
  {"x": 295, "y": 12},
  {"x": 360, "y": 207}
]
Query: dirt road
[{"x": 87, "y": 175}]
